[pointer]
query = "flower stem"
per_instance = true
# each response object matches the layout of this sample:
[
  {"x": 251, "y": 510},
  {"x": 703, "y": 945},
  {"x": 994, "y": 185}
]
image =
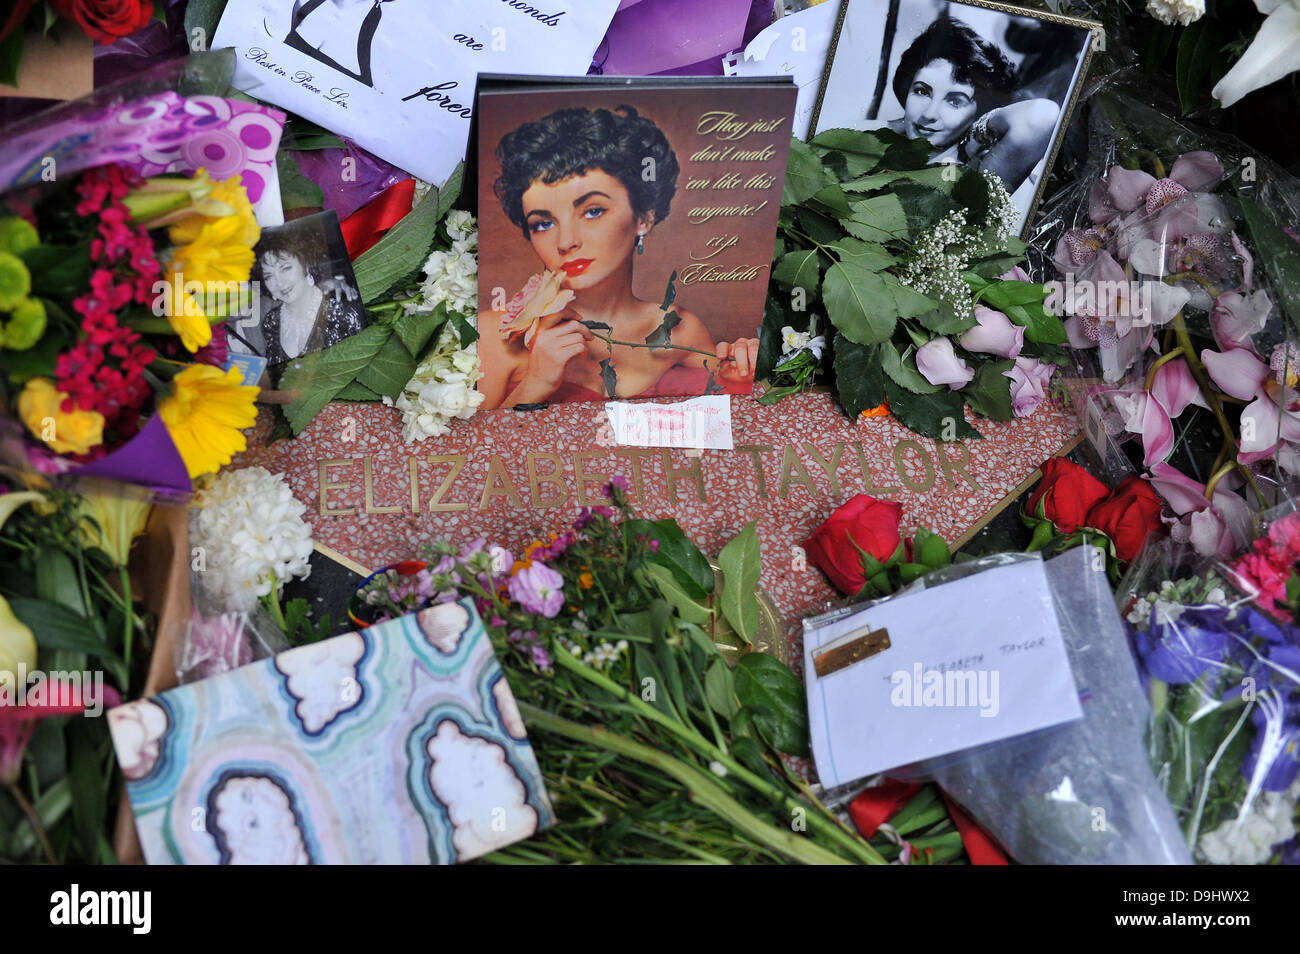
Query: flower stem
[
  {"x": 128, "y": 624},
  {"x": 1158, "y": 364},
  {"x": 35, "y": 821},
  {"x": 702, "y": 790},
  {"x": 694, "y": 740},
  {"x": 610, "y": 340}
]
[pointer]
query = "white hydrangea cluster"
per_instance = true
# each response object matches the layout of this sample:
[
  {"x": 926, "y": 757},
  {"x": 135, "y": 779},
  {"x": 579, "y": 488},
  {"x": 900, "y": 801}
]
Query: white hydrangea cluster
[
  {"x": 1003, "y": 214},
  {"x": 1170, "y": 602},
  {"x": 452, "y": 276},
  {"x": 1181, "y": 12},
  {"x": 938, "y": 259},
  {"x": 252, "y": 536},
  {"x": 603, "y": 656},
  {"x": 442, "y": 388},
  {"x": 1249, "y": 840}
]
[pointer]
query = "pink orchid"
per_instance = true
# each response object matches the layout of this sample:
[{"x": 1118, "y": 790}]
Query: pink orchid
[
  {"x": 1076, "y": 248},
  {"x": 1029, "y": 380},
  {"x": 1130, "y": 189},
  {"x": 939, "y": 364},
  {"x": 1175, "y": 388},
  {"x": 1150, "y": 414},
  {"x": 1237, "y": 316},
  {"x": 1270, "y": 423},
  {"x": 994, "y": 333},
  {"x": 1101, "y": 209},
  {"x": 1217, "y": 528}
]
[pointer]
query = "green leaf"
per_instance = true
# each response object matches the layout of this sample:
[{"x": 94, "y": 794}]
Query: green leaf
[
  {"x": 944, "y": 320},
  {"x": 11, "y": 56},
  {"x": 741, "y": 563},
  {"x": 1007, "y": 292},
  {"x": 834, "y": 199},
  {"x": 770, "y": 687},
  {"x": 322, "y": 375},
  {"x": 357, "y": 392},
  {"x": 202, "y": 14},
  {"x": 910, "y": 572},
  {"x": 822, "y": 228},
  {"x": 296, "y": 190},
  {"x": 908, "y": 303},
  {"x": 56, "y": 627},
  {"x": 57, "y": 270},
  {"x": 859, "y": 376},
  {"x": 467, "y": 332},
  {"x": 857, "y": 302},
  {"x": 869, "y": 255},
  {"x": 720, "y": 688},
  {"x": 937, "y": 415},
  {"x": 903, "y": 370},
  {"x": 403, "y": 249},
  {"x": 646, "y": 666},
  {"x": 989, "y": 394},
  {"x": 903, "y": 153},
  {"x": 416, "y": 329},
  {"x": 799, "y": 269},
  {"x": 855, "y": 141},
  {"x": 929, "y": 548},
  {"x": 1195, "y": 51},
  {"x": 661, "y": 337},
  {"x": 804, "y": 175},
  {"x": 609, "y": 377},
  {"x": 879, "y": 218},
  {"x": 940, "y": 177},
  {"x": 687, "y": 608},
  {"x": 1280, "y": 254},
  {"x": 89, "y": 803},
  {"x": 390, "y": 369},
  {"x": 450, "y": 191},
  {"x": 676, "y": 552},
  {"x": 1040, "y": 325},
  {"x": 872, "y": 182}
]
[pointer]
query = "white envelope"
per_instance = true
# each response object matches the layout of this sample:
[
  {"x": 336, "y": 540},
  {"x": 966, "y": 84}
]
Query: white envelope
[
  {"x": 970, "y": 662},
  {"x": 397, "y": 76}
]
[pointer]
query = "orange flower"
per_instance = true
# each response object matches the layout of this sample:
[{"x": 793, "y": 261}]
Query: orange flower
[
  {"x": 880, "y": 410},
  {"x": 586, "y": 580}
]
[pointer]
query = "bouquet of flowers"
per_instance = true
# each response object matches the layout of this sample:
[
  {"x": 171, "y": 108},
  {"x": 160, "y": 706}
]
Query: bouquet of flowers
[
  {"x": 109, "y": 288},
  {"x": 915, "y": 268},
  {"x": 1224, "y": 740},
  {"x": 654, "y": 748}
]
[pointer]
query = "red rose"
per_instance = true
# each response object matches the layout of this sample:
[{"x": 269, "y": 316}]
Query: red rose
[
  {"x": 1068, "y": 493},
  {"x": 106, "y": 20},
  {"x": 15, "y": 16},
  {"x": 870, "y": 523},
  {"x": 1130, "y": 513}
]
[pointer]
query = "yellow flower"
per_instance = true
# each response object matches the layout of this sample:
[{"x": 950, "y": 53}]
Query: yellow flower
[
  {"x": 230, "y": 192},
  {"x": 186, "y": 317},
  {"x": 40, "y": 407},
  {"x": 207, "y": 410},
  {"x": 216, "y": 254},
  {"x": 17, "y": 645},
  {"x": 118, "y": 518},
  {"x": 586, "y": 580}
]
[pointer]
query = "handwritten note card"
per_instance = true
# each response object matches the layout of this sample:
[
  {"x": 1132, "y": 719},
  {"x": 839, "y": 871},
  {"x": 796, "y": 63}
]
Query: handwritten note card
[
  {"x": 969, "y": 662},
  {"x": 397, "y": 76},
  {"x": 699, "y": 422}
]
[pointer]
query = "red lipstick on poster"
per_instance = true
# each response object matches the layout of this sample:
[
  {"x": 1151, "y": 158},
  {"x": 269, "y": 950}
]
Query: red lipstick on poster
[{"x": 576, "y": 267}]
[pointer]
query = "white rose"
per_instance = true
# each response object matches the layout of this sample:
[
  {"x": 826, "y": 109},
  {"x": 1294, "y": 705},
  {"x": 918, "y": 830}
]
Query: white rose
[{"x": 1181, "y": 12}]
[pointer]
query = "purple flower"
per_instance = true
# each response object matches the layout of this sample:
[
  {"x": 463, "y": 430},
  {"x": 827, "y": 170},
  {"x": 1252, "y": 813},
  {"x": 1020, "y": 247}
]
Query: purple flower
[
  {"x": 654, "y": 546},
  {"x": 498, "y": 622},
  {"x": 1180, "y": 650},
  {"x": 1275, "y": 749},
  {"x": 474, "y": 546},
  {"x": 1288, "y": 851},
  {"x": 994, "y": 333},
  {"x": 541, "y": 658},
  {"x": 1029, "y": 380},
  {"x": 216, "y": 644},
  {"x": 538, "y": 589},
  {"x": 616, "y": 483},
  {"x": 939, "y": 364}
]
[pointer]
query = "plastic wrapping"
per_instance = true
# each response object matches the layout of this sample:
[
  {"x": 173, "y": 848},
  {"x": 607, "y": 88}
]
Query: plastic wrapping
[
  {"x": 218, "y": 639},
  {"x": 1223, "y": 678},
  {"x": 1082, "y": 792}
]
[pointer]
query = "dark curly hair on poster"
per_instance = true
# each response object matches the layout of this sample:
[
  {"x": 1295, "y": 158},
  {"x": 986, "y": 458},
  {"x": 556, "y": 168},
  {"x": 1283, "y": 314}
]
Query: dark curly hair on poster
[
  {"x": 570, "y": 142},
  {"x": 974, "y": 60}
]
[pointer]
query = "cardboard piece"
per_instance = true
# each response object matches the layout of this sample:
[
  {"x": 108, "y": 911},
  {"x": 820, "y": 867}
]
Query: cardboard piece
[{"x": 59, "y": 65}]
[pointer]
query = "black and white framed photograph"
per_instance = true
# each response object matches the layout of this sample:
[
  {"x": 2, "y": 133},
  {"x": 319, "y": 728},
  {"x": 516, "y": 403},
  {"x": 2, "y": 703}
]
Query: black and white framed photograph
[
  {"x": 305, "y": 295},
  {"x": 990, "y": 86}
]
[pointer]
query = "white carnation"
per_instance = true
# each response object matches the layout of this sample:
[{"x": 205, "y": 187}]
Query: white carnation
[
  {"x": 442, "y": 388},
  {"x": 1181, "y": 12},
  {"x": 1249, "y": 840},
  {"x": 252, "y": 534},
  {"x": 452, "y": 276}
]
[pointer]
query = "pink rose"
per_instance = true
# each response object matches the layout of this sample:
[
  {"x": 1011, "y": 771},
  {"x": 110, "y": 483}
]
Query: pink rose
[
  {"x": 995, "y": 334},
  {"x": 1029, "y": 379},
  {"x": 939, "y": 364}
]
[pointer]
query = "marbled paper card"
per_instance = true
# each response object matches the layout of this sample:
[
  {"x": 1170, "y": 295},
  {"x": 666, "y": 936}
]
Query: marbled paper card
[{"x": 397, "y": 744}]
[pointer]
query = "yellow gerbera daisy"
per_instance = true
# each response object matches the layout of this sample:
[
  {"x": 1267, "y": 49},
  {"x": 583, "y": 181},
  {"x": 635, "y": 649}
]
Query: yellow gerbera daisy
[
  {"x": 230, "y": 192},
  {"x": 217, "y": 253},
  {"x": 205, "y": 414},
  {"x": 186, "y": 317}
]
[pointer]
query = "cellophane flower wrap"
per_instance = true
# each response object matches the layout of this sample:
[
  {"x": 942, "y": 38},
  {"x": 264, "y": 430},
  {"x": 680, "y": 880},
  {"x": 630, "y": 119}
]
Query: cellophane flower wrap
[
  {"x": 1223, "y": 679},
  {"x": 1175, "y": 262}
]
